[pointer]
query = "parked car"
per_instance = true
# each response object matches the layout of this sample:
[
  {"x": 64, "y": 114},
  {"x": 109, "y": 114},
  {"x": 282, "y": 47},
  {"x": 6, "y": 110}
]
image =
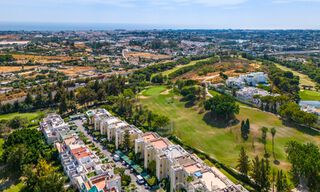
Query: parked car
[
  {"x": 140, "y": 180},
  {"x": 146, "y": 186},
  {"x": 116, "y": 158}
]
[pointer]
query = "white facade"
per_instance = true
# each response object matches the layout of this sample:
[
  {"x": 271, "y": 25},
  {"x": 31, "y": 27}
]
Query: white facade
[
  {"x": 52, "y": 126},
  {"x": 251, "y": 79}
]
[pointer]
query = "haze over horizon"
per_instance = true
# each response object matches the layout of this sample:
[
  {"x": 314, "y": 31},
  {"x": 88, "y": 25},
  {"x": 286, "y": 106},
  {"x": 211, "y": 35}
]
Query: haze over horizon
[{"x": 182, "y": 14}]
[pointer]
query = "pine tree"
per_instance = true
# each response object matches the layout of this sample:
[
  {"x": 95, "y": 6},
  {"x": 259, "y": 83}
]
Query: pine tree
[
  {"x": 243, "y": 162},
  {"x": 29, "y": 99},
  {"x": 149, "y": 119},
  {"x": 245, "y": 129},
  {"x": 261, "y": 173},
  {"x": 265, "y": 174},
  {"x": 63, "y": 107},
  {"x": 256, "y": 172},
  {"x": 242, "y": 129},
  {"x": 126, "y": 139},
  {"x": 39, "y": 100},
  {"x": 264, "y": 138},
  {"x": 248, "y": 126},
  {"x": 50, "y": 98},
  {"x": 282, "y": 182},
  {"x": 273, "y": 133}
]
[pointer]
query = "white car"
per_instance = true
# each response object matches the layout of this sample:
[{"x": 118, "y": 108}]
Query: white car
[{"x": 140, "y": 180}]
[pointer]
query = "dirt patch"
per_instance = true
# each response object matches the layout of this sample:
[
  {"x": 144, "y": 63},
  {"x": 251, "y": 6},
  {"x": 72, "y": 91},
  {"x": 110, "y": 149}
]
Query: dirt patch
[
  {"x": 2, "y": 37},
  {"x": 8, "y": 69},
  {"x": 232, "y": 68},
  {"x": 143, "y": 97},
  {"x": 76, "y": 70},
  {"x": 147, "y": 55},
  {"x": 23, "y": 59},
  {"x": 166, "y": 92},
  {"x": 11, "y": 96}
]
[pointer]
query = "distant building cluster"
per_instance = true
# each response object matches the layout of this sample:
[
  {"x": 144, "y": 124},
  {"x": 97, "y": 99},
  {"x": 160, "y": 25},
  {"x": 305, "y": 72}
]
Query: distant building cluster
[
  {"x": 184, "y": 170},
  {"x": 83, "y": 167},
  {"x": 251, "y": 79},
  {"x": 310, "y": 109},
  {"x": 248, "y": 94}
]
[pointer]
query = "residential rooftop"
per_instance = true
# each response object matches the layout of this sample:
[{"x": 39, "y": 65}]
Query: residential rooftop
[{"x": 160, "y": 143}]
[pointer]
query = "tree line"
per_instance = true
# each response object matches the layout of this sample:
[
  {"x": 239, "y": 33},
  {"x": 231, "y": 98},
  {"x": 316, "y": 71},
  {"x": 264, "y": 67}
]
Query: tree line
[
  {"x": 26, "y": 153},
  {"x": 313, "y": 71},
  {"x": 284, "y": 81}
]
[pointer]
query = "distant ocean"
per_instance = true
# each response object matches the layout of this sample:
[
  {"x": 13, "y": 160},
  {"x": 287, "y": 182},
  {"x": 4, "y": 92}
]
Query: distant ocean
[{"x": 5, "y": 26}]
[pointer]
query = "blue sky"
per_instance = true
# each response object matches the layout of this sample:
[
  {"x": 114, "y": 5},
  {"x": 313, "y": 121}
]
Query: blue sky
[{"x": 249, "y": 14}]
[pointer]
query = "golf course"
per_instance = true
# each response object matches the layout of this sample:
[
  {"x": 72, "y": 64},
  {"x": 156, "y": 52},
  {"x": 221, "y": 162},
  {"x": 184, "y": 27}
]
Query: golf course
[{"x": 224, "y": 142}]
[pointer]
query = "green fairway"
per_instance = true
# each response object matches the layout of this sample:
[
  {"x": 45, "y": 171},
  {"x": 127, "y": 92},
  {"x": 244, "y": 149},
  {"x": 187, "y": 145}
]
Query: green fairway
[
  {"x": 224, "y": 143},
  {"x": 308, "y": 95},
  {"x": 29, "y": 116},
  {"x": 181, "y": 66},
  {"x": 304, "y": 79}
]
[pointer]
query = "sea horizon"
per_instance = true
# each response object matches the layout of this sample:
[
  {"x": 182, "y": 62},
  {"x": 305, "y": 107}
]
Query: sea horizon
[{"x": 49, "y": 26}]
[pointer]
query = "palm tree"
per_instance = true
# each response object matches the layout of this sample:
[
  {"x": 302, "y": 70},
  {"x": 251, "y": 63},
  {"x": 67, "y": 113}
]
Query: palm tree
[{"x": 273, "y": 133}]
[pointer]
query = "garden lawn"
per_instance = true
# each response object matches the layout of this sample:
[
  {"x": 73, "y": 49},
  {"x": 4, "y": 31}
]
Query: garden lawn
[
  {"x": 308, "y": 95},
  {"x": 224, "y": 143}
]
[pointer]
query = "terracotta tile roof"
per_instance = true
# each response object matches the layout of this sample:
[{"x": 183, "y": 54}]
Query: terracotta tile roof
[{"x": 80, "y": 152}]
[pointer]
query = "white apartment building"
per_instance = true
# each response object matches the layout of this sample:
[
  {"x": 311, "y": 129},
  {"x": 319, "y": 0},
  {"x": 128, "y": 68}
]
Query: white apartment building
[
  {"x": 248, "y": 94},
  {"x": 52, "y": 127},
  {"x": 142, "y": 141},
  {"x": 133, "y": 132},
  {"x": 113, "y": 127},
  {"x": 95, "y": 113},
  {"x": 251, "y": 79},
  {"x": 185, "y": 171},
  {"x": 164, "y": 160},
  {"x": 84, "y": 168},
  {"x": 109, "y": 126},
  {"x": 234, "y": 82},
  {"x": 152, "y": 149}
]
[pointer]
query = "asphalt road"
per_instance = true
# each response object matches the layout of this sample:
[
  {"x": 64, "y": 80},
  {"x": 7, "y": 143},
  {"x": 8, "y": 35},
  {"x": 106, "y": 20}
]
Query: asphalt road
[{"x": 108, "y": 155}]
